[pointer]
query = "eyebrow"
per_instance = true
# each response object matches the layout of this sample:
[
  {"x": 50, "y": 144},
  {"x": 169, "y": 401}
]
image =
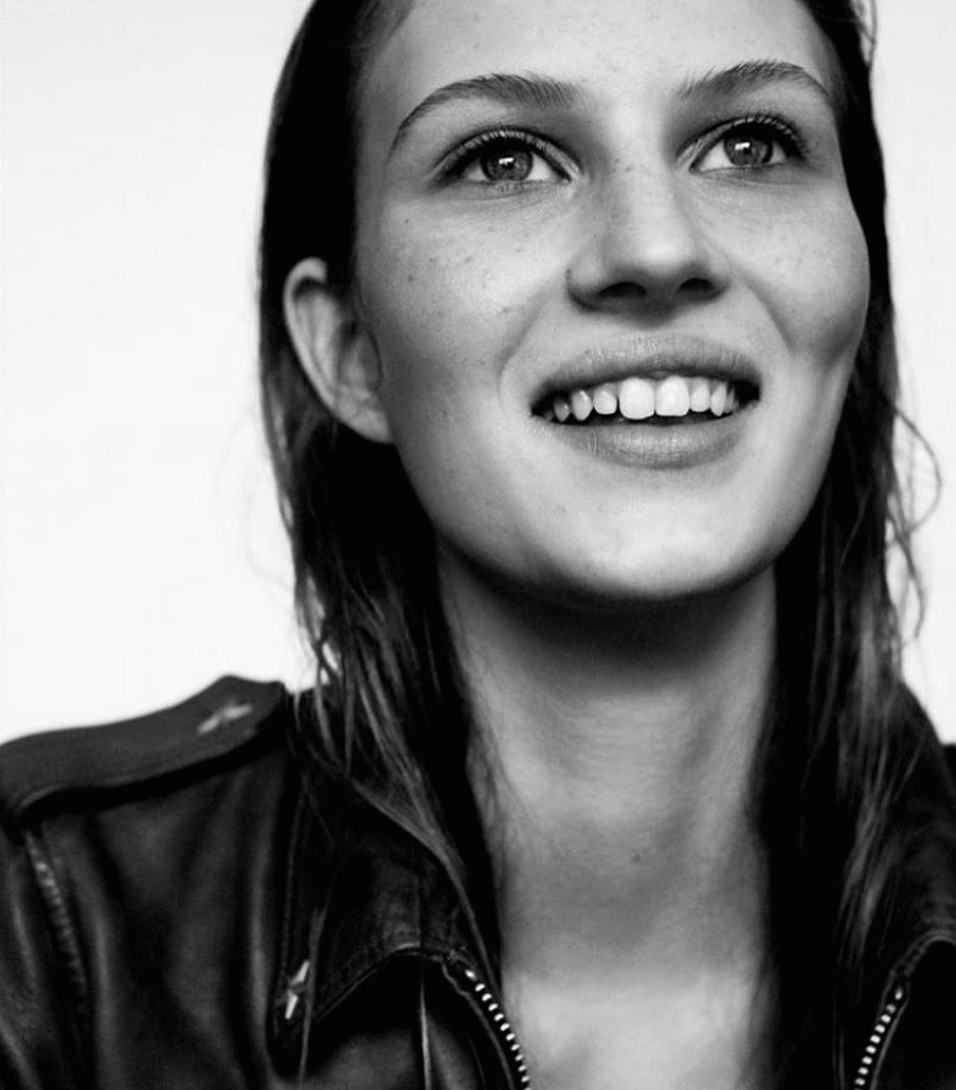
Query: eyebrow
[
  {"x": 755, "y": 76},
  {"x": 539, "y": 92},
  {"x": 542, "y": 92}
]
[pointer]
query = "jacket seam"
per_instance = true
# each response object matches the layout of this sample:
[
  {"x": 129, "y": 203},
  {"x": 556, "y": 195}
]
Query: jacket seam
[{"x": 64, "y": 936}]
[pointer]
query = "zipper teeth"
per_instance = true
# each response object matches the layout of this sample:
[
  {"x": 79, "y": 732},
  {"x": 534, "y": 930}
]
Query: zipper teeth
[
  {"x": 512, "y": 1046},
  {"x": 503, "y": 1028},
  {"x": 874, "y": 1045}
]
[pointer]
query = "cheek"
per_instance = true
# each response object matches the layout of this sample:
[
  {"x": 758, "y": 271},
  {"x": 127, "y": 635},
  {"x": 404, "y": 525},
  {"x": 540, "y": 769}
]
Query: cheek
[
  {"x": 433, "y": 311},
  {"x": 448, "y": 305},
  {"x": 816, "y": 294},
  {"x": 821, "y": 288},
  {"x": 829, "y": 301}
]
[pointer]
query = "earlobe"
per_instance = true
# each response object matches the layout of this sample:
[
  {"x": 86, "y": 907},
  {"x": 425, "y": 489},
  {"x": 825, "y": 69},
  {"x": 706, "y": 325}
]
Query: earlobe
[{"x": 334, "y": 350}]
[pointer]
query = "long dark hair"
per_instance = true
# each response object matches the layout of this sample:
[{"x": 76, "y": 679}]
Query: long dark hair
[
  {"x": 836, "y": 759},
  {"x": 393, "y": 725}
]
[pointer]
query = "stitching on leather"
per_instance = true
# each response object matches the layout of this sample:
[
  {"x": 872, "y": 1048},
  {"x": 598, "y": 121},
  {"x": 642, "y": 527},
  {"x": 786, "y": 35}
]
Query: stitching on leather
[
  {"x": 315, "y": 932},
  {"x": 63, "y": 933},
  {"x": 424, "y": 1036},
  {"x": 289, "y": 948}
]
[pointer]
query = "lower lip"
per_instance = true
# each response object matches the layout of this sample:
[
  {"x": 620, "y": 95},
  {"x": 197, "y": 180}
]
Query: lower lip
[{"x": 677, "y": 445}]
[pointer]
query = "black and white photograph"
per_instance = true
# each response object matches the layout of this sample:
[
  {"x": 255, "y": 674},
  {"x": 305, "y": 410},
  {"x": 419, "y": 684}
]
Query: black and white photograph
[{"x": 476, "y": 559}]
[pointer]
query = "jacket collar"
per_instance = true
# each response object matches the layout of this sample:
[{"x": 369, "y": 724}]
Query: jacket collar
[
  {"x": 361, "y": 891},
  {"x": 921, "y": 921}
]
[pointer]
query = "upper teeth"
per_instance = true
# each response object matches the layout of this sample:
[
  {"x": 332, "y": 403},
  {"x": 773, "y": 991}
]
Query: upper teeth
[{"x": 640, "y": 398}]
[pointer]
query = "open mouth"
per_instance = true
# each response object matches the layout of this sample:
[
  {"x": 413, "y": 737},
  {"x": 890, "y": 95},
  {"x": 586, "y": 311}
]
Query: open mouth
[{"x": 672, "y": 399}]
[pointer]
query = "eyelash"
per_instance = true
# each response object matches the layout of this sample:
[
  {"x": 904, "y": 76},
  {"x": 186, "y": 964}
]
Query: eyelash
[
  {"x": 767, "y": 125},
  {"x": 471, "y": 150}
]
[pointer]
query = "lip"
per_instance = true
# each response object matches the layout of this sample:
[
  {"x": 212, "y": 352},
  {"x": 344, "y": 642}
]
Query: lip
[
  {"x": 651, "y": 357},
  {"x": 676, "y": 446}
]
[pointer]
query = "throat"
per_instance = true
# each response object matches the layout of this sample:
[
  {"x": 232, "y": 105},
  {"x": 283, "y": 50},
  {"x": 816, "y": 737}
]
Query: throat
[
  {"x": 693, "y": 1033},
  {"x": 594, "y": 901}
]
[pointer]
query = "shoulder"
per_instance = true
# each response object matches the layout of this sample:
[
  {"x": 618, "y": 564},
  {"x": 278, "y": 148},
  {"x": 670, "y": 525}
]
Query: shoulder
[
  {"x": 151, "y": 802},
  {"x": 922, "y": 738},
  {"x": 949, "y": 749},
  {"x": 123, "y": 845},
  {"x": 232, "y": 721}
]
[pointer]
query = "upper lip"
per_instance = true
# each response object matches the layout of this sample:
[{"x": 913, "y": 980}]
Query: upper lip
[{"x": 649, "y": 357}]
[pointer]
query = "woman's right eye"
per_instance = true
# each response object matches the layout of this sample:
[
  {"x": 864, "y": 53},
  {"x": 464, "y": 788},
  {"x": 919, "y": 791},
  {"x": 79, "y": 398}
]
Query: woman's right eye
[{"x": 504, "y": 160}]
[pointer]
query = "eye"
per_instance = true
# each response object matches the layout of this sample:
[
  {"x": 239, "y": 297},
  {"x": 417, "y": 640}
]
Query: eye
[
  {"x": 503, "y": 159},
  {"x": 753, "y": 144}
]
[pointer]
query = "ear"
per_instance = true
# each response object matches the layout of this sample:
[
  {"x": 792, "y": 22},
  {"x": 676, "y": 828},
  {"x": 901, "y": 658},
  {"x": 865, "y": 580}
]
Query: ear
[{"x": 335, "y": 352}]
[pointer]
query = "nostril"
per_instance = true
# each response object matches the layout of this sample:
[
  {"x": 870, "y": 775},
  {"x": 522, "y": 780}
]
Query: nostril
[
  {"x": 649, "y": 292},
  {"x": 659, "y": 259},
  {"x": 624, "y": 292}
]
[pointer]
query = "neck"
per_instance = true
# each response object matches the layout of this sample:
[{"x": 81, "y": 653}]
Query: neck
[{"x": 612, "y": 766}]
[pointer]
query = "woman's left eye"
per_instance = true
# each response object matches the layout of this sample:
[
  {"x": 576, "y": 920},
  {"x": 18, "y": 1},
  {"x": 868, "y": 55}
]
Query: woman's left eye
[
  {"x": 752, "y": 145},
  {"x": 504, "y": 160}
]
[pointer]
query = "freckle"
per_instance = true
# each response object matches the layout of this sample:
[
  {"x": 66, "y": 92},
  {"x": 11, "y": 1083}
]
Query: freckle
[{"x": 636, "y": 857}]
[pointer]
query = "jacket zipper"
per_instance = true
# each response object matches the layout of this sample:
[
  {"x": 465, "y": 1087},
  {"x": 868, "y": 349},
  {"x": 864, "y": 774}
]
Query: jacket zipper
[
  {"x": 879, "y": 1035},
  {"x": 506, "y": 1035},
  {"x": 501, "y": 1027}
]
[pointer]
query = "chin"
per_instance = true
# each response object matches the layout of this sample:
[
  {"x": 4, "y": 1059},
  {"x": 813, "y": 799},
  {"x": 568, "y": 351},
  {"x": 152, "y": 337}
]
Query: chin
[{"x": 673, "y": 581}]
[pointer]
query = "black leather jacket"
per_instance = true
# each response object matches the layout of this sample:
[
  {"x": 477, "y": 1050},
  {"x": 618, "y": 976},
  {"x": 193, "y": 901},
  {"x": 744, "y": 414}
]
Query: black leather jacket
[{"x": 173, "y": 915}]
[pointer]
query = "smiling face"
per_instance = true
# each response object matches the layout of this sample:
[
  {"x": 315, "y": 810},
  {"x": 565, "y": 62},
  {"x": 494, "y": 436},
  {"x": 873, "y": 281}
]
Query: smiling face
[{"x": 610, "y": 284}]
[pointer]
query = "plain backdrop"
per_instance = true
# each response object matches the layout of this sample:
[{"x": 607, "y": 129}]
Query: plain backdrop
[{"x": 140, "y": 549}]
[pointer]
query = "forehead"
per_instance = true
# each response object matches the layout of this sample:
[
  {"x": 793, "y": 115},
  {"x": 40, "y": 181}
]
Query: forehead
[{"x": 606, "y": 47}]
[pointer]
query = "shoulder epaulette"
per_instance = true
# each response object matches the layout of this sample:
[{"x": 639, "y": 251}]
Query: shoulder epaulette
[{"x": 222, "y": 719}]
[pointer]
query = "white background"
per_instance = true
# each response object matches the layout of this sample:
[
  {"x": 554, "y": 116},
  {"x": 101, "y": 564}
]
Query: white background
[{"x": 141, "y": 550}]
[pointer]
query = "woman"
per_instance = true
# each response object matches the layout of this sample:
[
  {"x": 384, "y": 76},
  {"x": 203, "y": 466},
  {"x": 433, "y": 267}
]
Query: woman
[{"x": 579, "y": 377}]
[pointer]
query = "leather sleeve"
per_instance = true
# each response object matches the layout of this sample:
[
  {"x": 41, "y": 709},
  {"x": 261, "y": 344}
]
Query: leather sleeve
[{"x": 39, "y": 1014}]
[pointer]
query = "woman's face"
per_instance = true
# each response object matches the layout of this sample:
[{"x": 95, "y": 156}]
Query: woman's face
[{"x": 612, "y": 283}]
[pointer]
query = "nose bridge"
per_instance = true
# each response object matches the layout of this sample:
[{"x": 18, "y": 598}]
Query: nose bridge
[
  {"x": 646, "y": 236},
  {"x": 646, "y": 209}
]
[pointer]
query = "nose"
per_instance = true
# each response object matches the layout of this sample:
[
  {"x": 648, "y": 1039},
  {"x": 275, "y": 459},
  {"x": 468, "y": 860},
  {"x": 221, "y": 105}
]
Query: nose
[{"x": 646, "y": 245}]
